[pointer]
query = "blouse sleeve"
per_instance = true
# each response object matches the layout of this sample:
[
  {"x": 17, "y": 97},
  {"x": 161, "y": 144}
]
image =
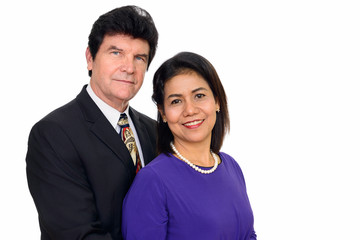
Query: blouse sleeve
[
  {"x": 144, "y": 208},
  {"x": 253, "y": 236}
]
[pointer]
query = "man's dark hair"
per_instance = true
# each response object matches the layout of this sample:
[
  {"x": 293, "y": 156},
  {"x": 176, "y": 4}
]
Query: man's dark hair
[{"x": 128, "y": 20}]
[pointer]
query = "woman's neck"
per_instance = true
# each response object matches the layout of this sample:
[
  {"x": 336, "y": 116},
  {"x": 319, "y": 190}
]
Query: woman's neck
[{"x": 197, "y": 153}]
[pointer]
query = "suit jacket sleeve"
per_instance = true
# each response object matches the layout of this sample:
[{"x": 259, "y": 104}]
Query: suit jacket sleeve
[{"x": 59, "y": 186}]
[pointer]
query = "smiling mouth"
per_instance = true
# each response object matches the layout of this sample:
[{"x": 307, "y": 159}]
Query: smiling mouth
[{"x": 194, "y": 123}]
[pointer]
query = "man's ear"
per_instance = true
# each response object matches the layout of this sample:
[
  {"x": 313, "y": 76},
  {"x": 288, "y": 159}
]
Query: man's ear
[{"x": 89, "y": 59}]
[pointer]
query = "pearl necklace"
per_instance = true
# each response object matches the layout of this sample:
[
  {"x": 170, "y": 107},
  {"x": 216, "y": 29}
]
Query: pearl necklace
[{"x": 193, "y": 165}]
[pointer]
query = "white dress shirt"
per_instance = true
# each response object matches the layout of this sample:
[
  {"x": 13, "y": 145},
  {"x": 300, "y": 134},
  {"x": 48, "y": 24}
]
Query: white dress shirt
[{"x": 113, "y": 115}]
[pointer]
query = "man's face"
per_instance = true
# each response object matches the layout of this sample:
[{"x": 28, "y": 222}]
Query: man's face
[{"x": 118, "y": 69}]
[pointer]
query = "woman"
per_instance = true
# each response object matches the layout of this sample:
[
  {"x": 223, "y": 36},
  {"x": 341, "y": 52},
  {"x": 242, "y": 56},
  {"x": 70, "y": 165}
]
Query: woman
[{"x": 191, "y": 190}]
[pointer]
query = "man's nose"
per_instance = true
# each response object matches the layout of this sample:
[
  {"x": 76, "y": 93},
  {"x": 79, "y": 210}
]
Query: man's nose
[{"x": 127, "y": 65}]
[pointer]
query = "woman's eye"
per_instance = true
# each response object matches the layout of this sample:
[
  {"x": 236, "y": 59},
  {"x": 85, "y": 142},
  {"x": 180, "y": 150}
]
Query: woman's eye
[
  {"x": 199, "y": 95},
  {"x": 175, "y": 101}
]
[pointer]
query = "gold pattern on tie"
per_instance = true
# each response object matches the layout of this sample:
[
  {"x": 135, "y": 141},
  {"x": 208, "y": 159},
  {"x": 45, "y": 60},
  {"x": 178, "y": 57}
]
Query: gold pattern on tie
[{"x": 128, "y": 138}]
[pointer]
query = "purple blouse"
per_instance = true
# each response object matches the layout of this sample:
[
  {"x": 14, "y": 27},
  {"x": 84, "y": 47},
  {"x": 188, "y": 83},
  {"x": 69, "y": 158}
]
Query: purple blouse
[{"x": 170, "y": 200}]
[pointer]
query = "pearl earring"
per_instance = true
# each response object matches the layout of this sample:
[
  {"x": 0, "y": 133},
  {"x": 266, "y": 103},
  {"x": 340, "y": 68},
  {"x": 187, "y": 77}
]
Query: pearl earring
[{"x": 218, "y": 110}]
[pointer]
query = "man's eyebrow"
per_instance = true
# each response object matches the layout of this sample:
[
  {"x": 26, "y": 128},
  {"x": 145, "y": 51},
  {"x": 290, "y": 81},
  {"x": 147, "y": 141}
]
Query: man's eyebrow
[
  {"x": 112, "y": 47},
  {"x": 144, "y": 55}
]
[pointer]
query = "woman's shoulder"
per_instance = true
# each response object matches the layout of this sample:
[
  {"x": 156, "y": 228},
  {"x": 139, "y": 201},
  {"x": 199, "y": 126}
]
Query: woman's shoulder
[
  {"x": 152, "y": 173},
  {"x": 161, "y": 160},
  {"x": 227, "y": 158},
  {"x": 157, "y": 172},
  {"x": 230, "y": 162},
  {"x": 158, "y": 165}
]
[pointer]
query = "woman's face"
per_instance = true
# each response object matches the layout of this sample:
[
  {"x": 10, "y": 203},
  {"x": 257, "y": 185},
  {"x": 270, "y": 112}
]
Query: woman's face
[{"x": 189, "y": 108}]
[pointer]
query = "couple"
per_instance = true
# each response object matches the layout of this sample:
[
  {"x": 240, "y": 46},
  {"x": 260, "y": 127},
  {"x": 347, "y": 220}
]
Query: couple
[{"x": 80, "y": 165}]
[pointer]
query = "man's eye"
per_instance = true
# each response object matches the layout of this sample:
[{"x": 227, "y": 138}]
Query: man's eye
[
  {"x": 115, "y": 53},
  {"x": 141, "y": 58}
]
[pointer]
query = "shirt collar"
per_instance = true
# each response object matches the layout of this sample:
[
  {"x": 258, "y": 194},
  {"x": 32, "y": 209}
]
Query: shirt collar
[{"x": 111, "y": 114}]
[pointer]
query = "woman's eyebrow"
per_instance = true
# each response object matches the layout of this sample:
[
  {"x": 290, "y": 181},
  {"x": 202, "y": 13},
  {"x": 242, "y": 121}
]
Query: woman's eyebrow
[
  {"x": 199, "y": 89},
  {"x": 175, "y": 95}
]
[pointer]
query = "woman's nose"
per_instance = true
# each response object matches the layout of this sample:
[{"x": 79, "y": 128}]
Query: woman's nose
[{"x": 190, "y": 108}]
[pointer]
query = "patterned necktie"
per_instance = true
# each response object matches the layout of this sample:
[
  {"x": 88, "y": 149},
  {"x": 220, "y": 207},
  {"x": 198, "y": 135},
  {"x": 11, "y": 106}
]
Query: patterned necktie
[{"x": 128, "y": 138}]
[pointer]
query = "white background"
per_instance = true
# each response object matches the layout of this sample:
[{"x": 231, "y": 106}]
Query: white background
[{"x": 291, "y": 72}]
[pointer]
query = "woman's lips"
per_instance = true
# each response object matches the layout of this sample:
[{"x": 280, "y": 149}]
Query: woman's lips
[{"x": 193, "y": 124}]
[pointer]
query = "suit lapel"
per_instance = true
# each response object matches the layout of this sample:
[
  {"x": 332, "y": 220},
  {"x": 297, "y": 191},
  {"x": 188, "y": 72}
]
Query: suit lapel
[
  {"x": 101, "y": 127},
  {"x": 106, "y": 133}
]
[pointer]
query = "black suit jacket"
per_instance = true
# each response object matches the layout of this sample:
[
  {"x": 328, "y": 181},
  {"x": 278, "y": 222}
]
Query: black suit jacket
[{"x": 79, "y": 170}]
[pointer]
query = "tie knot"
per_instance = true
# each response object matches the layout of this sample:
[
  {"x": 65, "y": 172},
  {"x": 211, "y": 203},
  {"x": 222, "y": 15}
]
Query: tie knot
[{"x": 123, "y": 121}]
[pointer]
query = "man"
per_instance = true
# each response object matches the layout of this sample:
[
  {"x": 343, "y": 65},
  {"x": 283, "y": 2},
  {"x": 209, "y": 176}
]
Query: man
[{"x": 78, "y": 167}]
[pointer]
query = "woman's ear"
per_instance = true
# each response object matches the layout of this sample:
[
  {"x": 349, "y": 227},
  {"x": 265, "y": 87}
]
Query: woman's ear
[
  {"x": 217, "y": 105},
  {"x": 161, "y": 111}
]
